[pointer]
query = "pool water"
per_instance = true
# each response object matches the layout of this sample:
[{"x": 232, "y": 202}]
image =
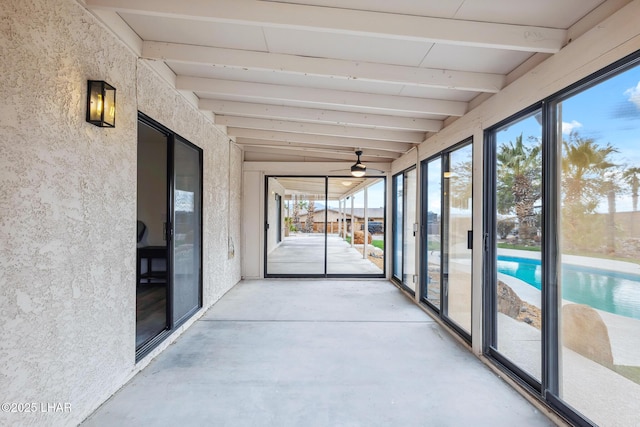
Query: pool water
[{"x": 617, "y": 293}]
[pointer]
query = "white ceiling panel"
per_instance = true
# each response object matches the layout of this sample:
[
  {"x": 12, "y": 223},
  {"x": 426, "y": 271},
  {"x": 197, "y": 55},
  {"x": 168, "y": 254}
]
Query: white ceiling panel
[
  {"x": 340, "y": 46},
  {"x": 427, "y": 92},
  {"x": 185, "y": 31},
  {"x": 435, "y": 8},
  {"x": 544, "y": 13},
  {"x": 464, "y": 58},
  {"x": 271, "y": 77},
  {"x": 302, "y": 104},
  {"x": 307, "y": 79}
]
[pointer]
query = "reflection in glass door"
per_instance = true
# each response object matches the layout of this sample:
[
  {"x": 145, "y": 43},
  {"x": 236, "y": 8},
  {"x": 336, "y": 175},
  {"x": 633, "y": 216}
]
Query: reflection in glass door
[{"x": 186, "y": 231}]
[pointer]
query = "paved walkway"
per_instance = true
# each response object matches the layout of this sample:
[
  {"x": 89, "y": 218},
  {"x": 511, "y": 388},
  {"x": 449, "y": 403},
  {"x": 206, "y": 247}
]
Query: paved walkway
[
  {"x": 304, "y": 254},
  {"x": 316, "y": 353}
]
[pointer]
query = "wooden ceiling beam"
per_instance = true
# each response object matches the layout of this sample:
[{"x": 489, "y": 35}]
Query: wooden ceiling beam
[
  {"x": 350, "y": 22},
  {"x": 324, "y": 67}
]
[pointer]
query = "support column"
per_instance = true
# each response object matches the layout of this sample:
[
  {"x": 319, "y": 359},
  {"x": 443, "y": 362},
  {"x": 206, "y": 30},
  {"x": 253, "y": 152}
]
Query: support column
[
  {"x": 366, "y": 223},
  {"x": 340, "y": 223},
  {"x": 352, "y": 223},
  {"x": 344, "y": 219}
]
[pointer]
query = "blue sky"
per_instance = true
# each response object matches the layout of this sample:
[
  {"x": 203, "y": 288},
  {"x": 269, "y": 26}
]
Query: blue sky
[{"x": 608, "y": 112}]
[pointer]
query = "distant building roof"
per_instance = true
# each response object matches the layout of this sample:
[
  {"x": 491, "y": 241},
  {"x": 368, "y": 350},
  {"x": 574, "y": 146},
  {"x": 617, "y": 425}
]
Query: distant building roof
[{"x": 357, "y": 212}]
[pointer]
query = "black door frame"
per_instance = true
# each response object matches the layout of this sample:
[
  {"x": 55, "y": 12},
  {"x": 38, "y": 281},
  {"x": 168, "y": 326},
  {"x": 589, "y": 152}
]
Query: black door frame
[
  {"x": 171, "y": 322},
  {"x": 394, "y": 225},
  {"x": 444, "y": 157},
  {"x": 326, "y": 195}
]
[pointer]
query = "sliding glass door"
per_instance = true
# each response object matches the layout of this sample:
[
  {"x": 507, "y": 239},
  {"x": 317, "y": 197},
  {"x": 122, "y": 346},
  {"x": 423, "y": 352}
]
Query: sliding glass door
[
  {"x": 186, "y": 235},
  {"x": 432, "y": 231},
  {"x": 562, "y": 276},
  {"x": 169, "y": 240},
  {"x": 516, "y": 249},
  {"x": 324, "y": 226},
  {"x": 456, "y": 228},
  {"x": 398, "y": 225},
  {"x": 404, "y": 231},
  {"x": 301, "y": 250},
  {"x": 447, "y": 235}
]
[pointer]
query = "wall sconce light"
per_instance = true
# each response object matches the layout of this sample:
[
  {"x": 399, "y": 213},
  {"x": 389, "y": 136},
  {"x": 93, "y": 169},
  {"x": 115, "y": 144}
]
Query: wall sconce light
[
  {"x": 446, "y": 174},
  {"x": 101, "y": 104}
]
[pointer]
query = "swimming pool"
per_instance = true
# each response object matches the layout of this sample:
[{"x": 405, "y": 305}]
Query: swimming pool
[{"x": 611, "y": 291}]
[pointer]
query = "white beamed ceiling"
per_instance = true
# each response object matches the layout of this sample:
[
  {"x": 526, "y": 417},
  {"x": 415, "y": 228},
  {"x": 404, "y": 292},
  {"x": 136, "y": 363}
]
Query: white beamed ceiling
[{"x": 314, "y": 80}]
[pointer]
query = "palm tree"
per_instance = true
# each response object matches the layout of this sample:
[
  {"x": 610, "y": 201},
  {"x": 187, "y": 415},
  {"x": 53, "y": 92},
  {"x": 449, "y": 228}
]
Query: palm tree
[
  {"x": 632, "y": 177},
  {"x": 585, "y": 167},
  {"x": 296, "y": 213},
  {"x": 583, "y": 164},
  {"x": 519, "y": 171},
  {"x": 311, "y": 208}
]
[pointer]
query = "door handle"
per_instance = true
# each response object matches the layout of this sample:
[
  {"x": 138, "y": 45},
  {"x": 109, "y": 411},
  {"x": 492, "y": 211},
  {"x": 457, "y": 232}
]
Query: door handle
[{"x": 469, "y": 239}]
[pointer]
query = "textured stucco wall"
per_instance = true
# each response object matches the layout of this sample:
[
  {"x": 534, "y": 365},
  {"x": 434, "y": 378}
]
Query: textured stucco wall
[{"x": 68, "y": 208}]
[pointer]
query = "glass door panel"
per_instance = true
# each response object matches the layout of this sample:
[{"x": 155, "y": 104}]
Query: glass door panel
[
  {"x": 517, "y": 285},
  {"x": 301, "y": 250},
  {"x": 432, "y": 220},
  {"x": 598, "y": 271},
  {"x": 359, "y": 251},
  {"x": 456, "y": 265},
  {"x": 398, "y": 227},
  {"x": 151, "y": 269},
  {"x": 187, "y": 231},
  {"x": 325, "y": 224},
  {"x": 409, "y": 244}
]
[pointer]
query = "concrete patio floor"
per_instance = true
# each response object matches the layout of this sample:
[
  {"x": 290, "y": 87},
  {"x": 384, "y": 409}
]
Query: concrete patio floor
[
  {"x": 316, "y": 353},
  {"x": 304, "y": 254}
]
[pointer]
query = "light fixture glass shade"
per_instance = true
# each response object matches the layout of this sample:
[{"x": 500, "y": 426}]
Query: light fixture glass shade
[
  {"x": 101, "y": 104},
  {"x": 358, "y": 170}
]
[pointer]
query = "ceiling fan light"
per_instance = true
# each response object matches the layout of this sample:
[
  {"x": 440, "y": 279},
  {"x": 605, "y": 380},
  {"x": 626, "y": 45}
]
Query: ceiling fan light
[{"x": 358, "y": 170}]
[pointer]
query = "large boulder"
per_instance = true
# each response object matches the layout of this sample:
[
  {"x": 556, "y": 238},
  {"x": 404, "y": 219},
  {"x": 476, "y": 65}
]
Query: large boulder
[
  {"x": 375, "y": 252},
  {"x": 584, "y": 332},
  {"x": 509, "y": 302},
  {"x": 358, "y": 238}
]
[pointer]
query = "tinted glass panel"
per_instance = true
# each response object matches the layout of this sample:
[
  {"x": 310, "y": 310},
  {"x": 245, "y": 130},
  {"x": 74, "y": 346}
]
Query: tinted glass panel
[
  {"x": 600, "y": 243},
  {"x": 433, "y": 232},
  {"x": 518, "y": 228}
]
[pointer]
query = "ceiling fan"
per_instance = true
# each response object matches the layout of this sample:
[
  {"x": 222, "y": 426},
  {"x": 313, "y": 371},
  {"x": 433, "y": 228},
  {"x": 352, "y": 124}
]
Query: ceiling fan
[{"x": 359, "y": 169}]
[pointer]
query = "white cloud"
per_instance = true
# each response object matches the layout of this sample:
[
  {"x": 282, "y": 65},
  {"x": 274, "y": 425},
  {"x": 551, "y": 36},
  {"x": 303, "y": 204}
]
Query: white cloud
[
  {"x": 634, "y": 95},
  {"x": 567, "y": 128}
]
